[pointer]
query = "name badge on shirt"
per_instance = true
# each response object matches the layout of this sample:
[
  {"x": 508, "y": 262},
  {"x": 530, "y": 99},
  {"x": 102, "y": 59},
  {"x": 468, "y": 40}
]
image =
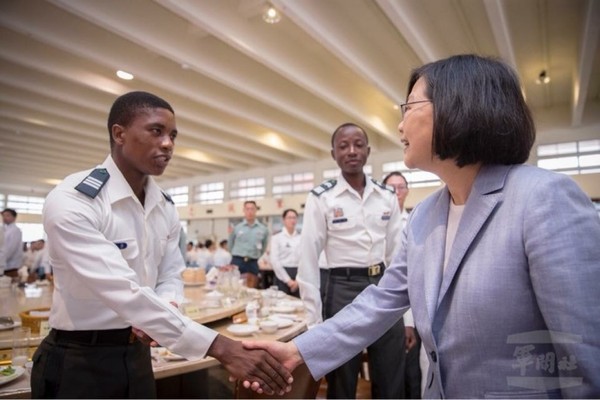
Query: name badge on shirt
[
  {"x": 339, "y": 220},
  {"x": 121, "y": 245},
  {"x": 386, "y": 216}
]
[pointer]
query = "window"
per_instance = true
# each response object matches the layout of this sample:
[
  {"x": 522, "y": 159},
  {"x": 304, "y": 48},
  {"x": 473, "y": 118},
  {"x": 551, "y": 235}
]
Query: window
[
  {"x": 582, "y": 157},
  {"x": 247, "y": 189},
  {"x": 210, "y": 193},
  {"x": 415, "y": 177},
  {"x": 331, "y": 173},
  {"x": 335, "y": 172},
  {"x": 25, "y": 204},
  {"x": 293, "y": 183},
  {"x": 31, "y": 232},
  {"x": 2, "y": 201},
  {"x": 179, "y": 195}
]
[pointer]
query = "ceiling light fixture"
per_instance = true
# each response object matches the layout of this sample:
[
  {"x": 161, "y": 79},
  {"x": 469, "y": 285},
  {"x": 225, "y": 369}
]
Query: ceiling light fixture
[
  {"x": 271, "y": 15},
  {"x": 124, "y": 75},
  {"x": 543, "y": 78}
]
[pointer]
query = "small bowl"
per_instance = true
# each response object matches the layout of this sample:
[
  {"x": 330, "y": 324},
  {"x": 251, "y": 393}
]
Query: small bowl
[{"x": 268, "y": 326}]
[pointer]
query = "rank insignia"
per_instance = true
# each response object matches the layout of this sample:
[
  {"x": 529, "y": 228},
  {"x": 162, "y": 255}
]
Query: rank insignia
[{"x": 93, "y": 183}]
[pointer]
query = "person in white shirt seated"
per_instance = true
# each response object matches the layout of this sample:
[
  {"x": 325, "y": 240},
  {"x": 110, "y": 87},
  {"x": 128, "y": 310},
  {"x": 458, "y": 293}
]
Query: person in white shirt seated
[
  {"x": 222, "y": 256},
  {"x": 191, "y": 255}
]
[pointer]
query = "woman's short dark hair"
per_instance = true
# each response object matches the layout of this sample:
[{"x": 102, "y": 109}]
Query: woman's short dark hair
[
  {"x": 126, "y": 108},
  {"x": 479, "y": 113},
  {"x": 289, "y": 210}
]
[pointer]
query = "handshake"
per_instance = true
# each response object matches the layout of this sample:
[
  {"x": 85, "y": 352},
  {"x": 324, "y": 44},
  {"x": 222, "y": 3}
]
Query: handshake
[{"x": 265, "y": 366}]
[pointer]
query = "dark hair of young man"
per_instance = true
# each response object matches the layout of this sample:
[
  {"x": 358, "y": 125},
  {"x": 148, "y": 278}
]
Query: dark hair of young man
[{"x": 126, "y": 108}]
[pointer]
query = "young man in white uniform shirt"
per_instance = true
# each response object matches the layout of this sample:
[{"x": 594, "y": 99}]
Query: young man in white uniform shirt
[
  {"x": 113, "y": 239},
  {"x": 357, "y": 222},
  {"x": 284, "y": 254}
]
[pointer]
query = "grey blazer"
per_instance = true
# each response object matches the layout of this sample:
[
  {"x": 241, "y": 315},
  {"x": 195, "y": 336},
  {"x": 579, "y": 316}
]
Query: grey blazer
[{"x": 516, "y": 313}]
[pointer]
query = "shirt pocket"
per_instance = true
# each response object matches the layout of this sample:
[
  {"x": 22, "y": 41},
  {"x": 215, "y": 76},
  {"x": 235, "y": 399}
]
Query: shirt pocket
[
  {"x": 129, "y": 248},
  {"x": 383, "y": 218}
]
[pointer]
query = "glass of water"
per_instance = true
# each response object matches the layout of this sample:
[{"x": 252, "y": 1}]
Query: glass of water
[{"x": 20, "y": 346}]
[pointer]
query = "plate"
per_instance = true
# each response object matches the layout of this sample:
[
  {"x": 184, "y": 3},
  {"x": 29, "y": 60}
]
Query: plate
[
  {"x": 283, "y": 309},
  {"x": 214, "y": 295},
  {"x": 5, "y": 379},
  {"x": 283, "y": 322},
  {"x": 242, "y": 329},
  {"x": 297, "y": 304},
  {"x": 14, "y": 325},
  {"x": 165, "y": 354}
]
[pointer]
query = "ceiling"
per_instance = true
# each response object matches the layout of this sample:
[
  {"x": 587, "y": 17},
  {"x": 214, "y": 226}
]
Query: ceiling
[{"x": 248, "y": 94}]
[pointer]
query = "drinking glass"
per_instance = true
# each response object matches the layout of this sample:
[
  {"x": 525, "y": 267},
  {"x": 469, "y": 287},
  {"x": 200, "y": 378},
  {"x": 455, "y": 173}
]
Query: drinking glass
[{"x": 20, "y": 346}]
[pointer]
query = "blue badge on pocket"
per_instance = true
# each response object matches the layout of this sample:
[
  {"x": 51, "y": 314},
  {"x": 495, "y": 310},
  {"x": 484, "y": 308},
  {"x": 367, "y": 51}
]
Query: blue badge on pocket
[{"x": 121, "y": 245}]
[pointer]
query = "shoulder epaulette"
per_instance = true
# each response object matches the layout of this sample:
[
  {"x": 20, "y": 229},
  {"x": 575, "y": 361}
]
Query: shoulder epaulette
[
  {"x": 93, "y": 183},
  {"x": 168, "y": 198},
  {"x": 323, "y": 187},
  {"x": 384, "y": 187}
]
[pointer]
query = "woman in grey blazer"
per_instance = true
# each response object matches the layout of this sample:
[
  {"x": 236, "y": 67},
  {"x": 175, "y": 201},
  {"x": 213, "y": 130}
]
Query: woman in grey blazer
[{"x": 501, "y": 266}]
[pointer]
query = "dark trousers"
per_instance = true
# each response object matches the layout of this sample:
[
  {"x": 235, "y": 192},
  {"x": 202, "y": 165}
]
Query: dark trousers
[
  {"x": 413, "y": 371},
  {"x": 74, "y": 369},
  {"x": 292, "y": 272},
  {"x": 386, "y": 355},
  {"x": 246, "y": 264}
]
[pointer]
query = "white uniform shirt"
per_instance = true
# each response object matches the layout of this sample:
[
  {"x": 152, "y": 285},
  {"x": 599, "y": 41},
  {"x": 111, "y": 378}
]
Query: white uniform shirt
[
  {"x": 221, "y": 257},
  {"x": 2, "y": 256},
  {"x": 353, "y": 231},
  {"x": 13, "y": 247},
  {"x": 284, "y": 253},
  {"x": 118, "y": 264}
]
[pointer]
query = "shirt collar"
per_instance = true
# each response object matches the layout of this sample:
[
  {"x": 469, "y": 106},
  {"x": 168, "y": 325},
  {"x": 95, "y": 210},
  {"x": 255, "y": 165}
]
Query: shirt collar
[
  {"x": 254, "y": 223},
  {"x": 286, "y": 233},
  {"x": 119, "y": 187},
  {"x": 343, "y": 185}
]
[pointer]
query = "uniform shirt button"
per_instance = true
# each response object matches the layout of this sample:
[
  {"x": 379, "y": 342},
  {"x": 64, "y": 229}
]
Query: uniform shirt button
[{"x": 433, "y": 356}]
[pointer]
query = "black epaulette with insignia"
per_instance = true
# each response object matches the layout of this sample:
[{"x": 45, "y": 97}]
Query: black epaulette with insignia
[
  {"x": 323, "y": 187},
  {"x": 94, "y": 182},
  {"x": 168, "y": 198},
  {"x": 381, "y": 185}
]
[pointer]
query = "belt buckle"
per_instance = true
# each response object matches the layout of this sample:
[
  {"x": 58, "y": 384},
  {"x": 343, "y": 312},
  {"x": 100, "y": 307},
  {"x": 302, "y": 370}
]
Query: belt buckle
[
  {"x": 246, "y": 259},
  {"x": 374, "y": 270}
]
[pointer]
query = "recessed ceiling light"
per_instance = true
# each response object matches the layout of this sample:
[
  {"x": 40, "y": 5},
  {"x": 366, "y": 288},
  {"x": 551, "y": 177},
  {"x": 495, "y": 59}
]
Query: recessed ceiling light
[
  {"x": 124, "y": 75},
  {"x": 543, "y": 78},
  {"x": 271, "y": 15}
]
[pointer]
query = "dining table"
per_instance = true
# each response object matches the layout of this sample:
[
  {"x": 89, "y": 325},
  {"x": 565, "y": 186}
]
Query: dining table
[{"x": 203, "y": 304}]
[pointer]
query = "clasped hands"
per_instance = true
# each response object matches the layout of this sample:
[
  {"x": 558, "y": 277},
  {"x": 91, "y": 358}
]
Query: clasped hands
[{"x": 264, "y": 366}]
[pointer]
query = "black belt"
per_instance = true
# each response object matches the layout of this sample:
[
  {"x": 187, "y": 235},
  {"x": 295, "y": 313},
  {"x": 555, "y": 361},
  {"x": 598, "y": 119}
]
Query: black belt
[
  {"x": 246, "y": 259},
  {"x": 107, "y": 337},
  {"x": 373, "y": 270}
]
